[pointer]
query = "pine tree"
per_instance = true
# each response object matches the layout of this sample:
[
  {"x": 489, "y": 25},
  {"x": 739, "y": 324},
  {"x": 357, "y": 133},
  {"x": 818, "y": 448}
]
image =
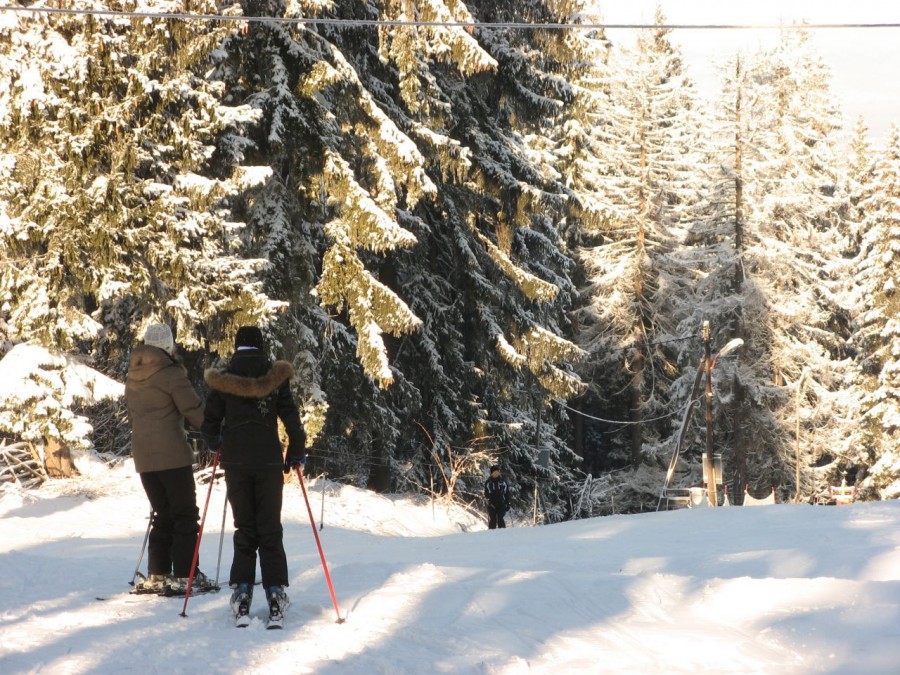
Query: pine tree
[
  {"x": 781, "y": 191},
  {"x": 636, "y": 272},
  {"x": 45, "y": 406},
  {"x": 858, "y": 177},
  {"x": 878, "y": 327},
  {"x": 438, "y": 270},
  {"x": 115, "y": 196}
]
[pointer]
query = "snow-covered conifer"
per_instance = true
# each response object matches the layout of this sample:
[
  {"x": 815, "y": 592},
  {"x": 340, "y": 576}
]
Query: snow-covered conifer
[
  {"x": 878, "y": 332},
  {"x": 116, "y": 203},
  {"x": 777, "y": 209},
  {"x": 636, "y": 273}
]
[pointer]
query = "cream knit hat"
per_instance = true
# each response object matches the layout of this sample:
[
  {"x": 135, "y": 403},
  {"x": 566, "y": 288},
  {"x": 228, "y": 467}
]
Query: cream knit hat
[{"x": 160, "y": 335}]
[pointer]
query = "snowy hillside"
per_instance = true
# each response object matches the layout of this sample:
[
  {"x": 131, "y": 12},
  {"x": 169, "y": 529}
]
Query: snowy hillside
[{"x": 789, "y": 589}]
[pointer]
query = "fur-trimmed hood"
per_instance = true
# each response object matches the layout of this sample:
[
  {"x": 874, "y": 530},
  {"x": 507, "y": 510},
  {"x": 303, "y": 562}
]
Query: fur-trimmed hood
[{"x": 249, "y": 387}]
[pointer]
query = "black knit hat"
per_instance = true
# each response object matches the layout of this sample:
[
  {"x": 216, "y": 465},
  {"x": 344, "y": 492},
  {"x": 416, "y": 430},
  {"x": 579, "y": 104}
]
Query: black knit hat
[
  {"x": 495, "y": 467},
  {"x": 249, "y": 336}
]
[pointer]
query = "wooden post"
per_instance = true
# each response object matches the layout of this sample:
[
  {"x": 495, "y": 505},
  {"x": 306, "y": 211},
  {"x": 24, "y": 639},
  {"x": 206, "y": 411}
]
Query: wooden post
[{"x": 711, "y": 491}]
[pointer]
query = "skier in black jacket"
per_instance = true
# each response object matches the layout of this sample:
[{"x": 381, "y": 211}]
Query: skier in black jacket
[
  {"x": 241, "y": 417},
  {"x": 496, "y": 491}
]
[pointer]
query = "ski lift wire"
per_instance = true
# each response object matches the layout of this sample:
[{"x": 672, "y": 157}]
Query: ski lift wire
[
  {"x": 510, "y": 25},
  {"x": 623, "y": 423}
]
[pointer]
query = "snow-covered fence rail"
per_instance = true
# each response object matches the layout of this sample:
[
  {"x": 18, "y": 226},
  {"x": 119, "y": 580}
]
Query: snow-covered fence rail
[{"x": 20, "y": 463}]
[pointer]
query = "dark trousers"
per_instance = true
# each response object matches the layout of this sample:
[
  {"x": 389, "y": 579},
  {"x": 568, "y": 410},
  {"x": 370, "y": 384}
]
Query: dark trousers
[
  {"x": 255, "y": 495},
  {"x": 495, "y": 518},
  {"x": 173, "y": 531}
]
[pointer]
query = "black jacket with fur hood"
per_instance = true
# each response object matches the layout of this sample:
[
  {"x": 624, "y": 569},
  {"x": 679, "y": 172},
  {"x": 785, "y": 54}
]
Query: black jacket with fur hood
[{"x": 245, "y": 402}]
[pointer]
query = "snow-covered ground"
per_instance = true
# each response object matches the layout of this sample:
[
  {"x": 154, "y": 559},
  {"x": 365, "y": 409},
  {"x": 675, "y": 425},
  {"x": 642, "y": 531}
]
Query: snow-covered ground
[{"x": 426, "y": 589}]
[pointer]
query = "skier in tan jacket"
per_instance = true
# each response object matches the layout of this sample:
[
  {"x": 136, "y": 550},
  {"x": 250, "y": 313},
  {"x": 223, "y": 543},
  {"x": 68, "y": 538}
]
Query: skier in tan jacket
[{"x": 160, "y": 397}]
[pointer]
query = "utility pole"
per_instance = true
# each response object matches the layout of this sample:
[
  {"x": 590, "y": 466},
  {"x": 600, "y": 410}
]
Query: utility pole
[{"x": 711, "y": 492}]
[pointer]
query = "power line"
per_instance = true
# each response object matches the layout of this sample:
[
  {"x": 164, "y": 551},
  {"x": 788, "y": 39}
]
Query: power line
[
  {"x": 510, "y": 25},
  {"x": 624, "y": 423}
]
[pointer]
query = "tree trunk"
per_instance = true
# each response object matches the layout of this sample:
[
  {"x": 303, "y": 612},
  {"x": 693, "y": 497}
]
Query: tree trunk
[
  {"x": 741, "y": 440},
  {"x": 578, "y": 434},
  {"x": 58, "y": 459},
  {"x": 637, "y": 436},
  {"x": 740, "y": 435},
  {"x": 379, "y": 471},
  {"x": 738, "y": 279}
]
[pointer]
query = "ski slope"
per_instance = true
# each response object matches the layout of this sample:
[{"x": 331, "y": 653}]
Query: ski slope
[{"x": 427, "y": 589}]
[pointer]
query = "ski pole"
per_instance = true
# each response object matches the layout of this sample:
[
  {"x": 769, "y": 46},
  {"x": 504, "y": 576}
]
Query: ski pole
[
  {"x": 322, "y": 517},
  {"x": 143, "y": 548},
  {"x": 312, "y": 523},
  {"x": 221, "y": 540},
  {"x": 187, "y": 593}
]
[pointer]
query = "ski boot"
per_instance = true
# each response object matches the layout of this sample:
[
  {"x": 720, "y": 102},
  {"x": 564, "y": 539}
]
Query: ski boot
[
  {"x": 278, "y": 604},
  {"x": 177, "y": 586},
  {"x": 155, "y": 584},
  {"x": 240, "y": 604}
]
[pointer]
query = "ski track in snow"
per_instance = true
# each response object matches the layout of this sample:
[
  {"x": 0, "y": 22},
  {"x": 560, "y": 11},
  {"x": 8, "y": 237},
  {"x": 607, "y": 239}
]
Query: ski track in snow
[{"x": 426, "y": 589}]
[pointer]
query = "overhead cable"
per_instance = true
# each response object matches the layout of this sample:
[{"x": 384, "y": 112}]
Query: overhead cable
[{"x": 499, "y": 25}]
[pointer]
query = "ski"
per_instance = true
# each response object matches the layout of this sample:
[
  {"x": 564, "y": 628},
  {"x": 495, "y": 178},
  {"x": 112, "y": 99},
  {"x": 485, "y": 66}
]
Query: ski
[{"x": 168, "y": 592}]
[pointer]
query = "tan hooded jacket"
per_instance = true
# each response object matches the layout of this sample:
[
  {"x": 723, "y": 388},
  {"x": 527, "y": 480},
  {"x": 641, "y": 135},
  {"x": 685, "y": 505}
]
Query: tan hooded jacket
[{"x": 159, "y": 398}]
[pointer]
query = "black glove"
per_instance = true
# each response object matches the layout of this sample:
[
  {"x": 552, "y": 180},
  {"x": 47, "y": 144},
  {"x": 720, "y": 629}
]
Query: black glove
[
  {"x": 214, "y": 443},
  {"x": 293, "y": 461}
]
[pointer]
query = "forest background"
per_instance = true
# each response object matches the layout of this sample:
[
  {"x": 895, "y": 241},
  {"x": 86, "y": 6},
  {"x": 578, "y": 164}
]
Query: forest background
[{"x": 475, "y": 243}]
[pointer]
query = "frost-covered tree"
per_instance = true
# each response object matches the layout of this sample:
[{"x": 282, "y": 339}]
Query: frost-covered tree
[
  {"x": 637, "y": 271},
  {"x": 115, "y": 183},
  {"x": 878, "y": 325},
  {"x": 777, "y": 208},
  {"x": 397, "y": 155},
  {"x": 857, "y": 179},
  {"x": 41, "y": 394}
]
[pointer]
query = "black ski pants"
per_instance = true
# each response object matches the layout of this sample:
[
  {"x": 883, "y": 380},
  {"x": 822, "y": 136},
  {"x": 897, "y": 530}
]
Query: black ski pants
[
  {"x": 173, "y": 530},
  {"x": 255, "y": 495},
  {"x": 495, "y": 517}
]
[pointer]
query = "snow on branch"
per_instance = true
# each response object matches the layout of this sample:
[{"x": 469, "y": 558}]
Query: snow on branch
[
  {"x": 397, "y": 149},
  {"x": 372, "y": 307},
  {"x": 533, "y": 287},
  {"x": 365, "y": 224}
]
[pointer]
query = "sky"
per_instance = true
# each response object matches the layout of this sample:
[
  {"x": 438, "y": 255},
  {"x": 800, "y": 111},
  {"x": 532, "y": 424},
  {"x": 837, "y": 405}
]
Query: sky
[
  {"x": 864, "y": 62},
  {"x": 425, "y": 588}
]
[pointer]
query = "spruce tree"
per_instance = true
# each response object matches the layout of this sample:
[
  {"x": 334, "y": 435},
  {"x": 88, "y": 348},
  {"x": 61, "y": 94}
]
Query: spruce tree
[
  {"x": 780, "y": 213},
  {"x": 437, "y": 312},
  {"x": 878, "y": 328},
  {"x": 115, "y": 196},
  {"x": 635, "y": 273}
]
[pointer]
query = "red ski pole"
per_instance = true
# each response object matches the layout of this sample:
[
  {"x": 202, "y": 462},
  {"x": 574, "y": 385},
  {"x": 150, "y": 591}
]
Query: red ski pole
[
  {"x": 212, "y": 479},
  {"x": 312, "y": 523}
]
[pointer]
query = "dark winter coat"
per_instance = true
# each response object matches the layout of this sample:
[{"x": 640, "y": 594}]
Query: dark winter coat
[
  {"x": 496, "y": 491},
  {"x": 243, "y": 408},
  {"x": 159, "y": 398}
]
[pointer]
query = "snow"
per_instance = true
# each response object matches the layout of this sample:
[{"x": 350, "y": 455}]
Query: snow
[
  {"x": 66, "y": 374},
  {"x": 426, "y": 588}
]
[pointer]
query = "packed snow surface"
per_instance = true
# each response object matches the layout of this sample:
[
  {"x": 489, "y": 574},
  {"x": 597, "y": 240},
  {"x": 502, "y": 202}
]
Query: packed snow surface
[{"x": 425, "y": 588}]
